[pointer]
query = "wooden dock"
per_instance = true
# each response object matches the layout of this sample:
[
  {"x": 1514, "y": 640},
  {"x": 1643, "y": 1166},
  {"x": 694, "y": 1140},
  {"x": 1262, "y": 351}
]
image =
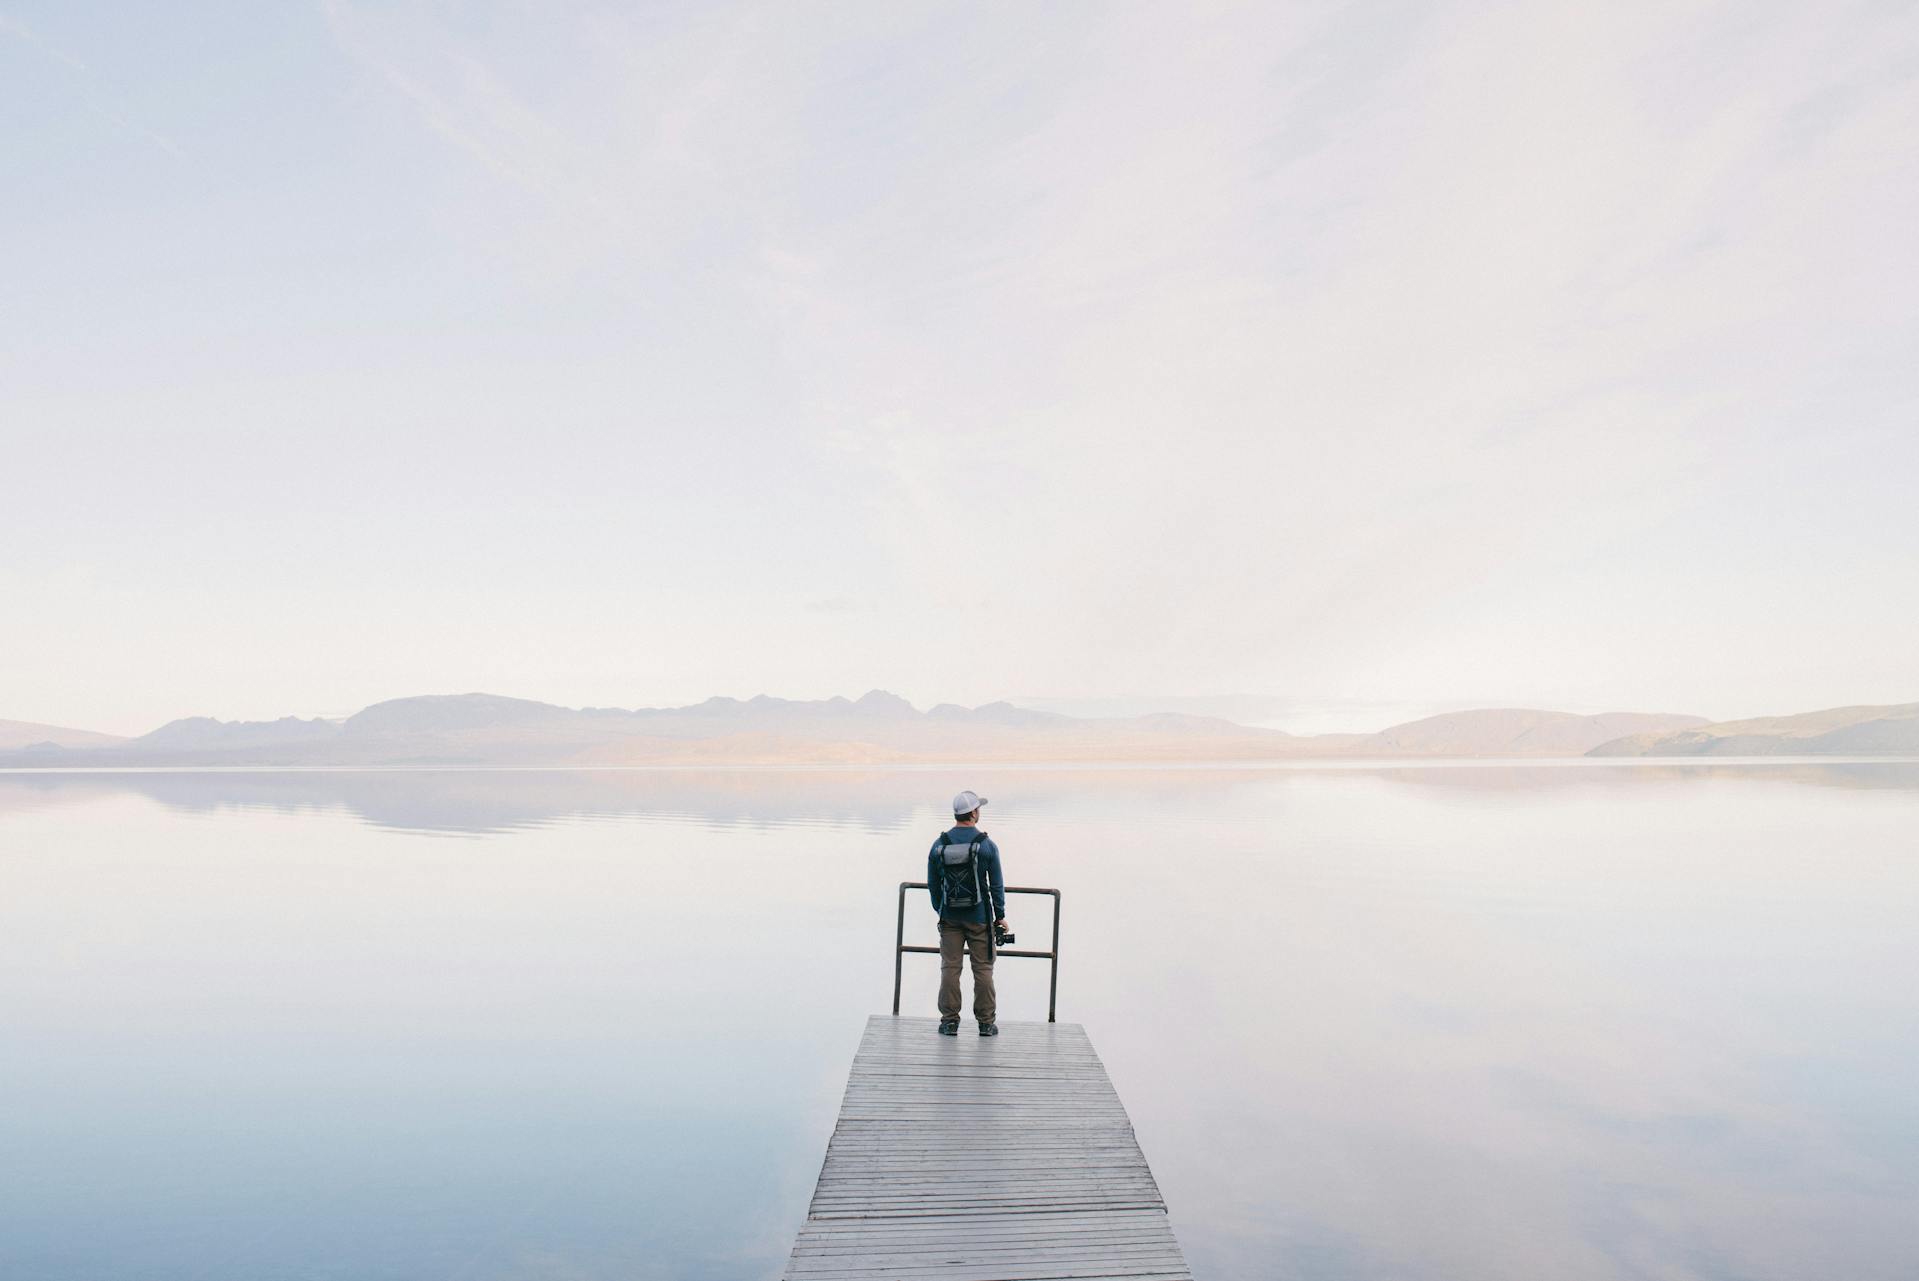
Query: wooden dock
[{"x": 971, "y": 1158}]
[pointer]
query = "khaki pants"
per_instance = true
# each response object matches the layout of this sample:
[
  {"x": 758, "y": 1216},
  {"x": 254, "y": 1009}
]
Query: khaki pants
[{"x": 977, "y": 940}]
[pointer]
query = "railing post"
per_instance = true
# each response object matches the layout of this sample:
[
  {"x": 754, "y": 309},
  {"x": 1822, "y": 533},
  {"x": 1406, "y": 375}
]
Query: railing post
[
  {"x": 1052, "y": 988},
  {"x": 899, "y": 948}
]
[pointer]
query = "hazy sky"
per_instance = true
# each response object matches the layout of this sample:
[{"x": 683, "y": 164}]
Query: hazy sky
[{"x": 1346, "y": 354}]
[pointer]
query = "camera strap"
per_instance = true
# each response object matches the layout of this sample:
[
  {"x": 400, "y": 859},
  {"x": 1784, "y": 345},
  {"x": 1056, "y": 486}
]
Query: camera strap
[{"x": 982, "y": 894}]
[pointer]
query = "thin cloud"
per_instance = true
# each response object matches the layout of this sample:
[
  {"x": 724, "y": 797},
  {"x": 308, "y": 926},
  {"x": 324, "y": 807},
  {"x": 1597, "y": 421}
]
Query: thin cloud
[{"x": 98, "y": 103}]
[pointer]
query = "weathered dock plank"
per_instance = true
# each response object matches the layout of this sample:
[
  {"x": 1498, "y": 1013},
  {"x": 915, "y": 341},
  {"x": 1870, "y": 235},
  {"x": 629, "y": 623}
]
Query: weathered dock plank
[{"x": 971, "y": 1158}]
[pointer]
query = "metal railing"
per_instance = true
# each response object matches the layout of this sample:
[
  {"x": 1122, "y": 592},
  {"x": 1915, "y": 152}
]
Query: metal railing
[{"x": 901, "y": 947}]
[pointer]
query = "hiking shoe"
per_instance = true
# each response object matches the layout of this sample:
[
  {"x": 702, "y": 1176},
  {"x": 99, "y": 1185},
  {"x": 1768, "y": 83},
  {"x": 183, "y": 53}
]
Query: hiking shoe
[
  {"x": 989, "y": 1029},
  {"x": 949, "y": 1027}
]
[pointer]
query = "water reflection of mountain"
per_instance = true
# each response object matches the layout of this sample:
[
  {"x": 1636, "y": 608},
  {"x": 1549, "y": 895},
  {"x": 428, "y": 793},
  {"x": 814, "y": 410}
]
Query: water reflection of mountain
[
  {"x": 482, "y": 801},
  {"x": 477, "y": 802}
]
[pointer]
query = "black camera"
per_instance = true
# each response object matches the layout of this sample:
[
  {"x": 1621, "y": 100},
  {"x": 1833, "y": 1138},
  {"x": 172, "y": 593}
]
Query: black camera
[{"x": 1002, "y": 937}]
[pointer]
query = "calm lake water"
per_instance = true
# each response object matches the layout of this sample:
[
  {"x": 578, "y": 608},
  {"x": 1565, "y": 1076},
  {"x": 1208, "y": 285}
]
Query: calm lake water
[{"x": 1460, "y": 1022}]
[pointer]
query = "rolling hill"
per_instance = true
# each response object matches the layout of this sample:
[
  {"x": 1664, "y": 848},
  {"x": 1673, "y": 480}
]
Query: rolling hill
[
  {"x": 32, "y": 736},
  {"x": 1885, "y": 730}
]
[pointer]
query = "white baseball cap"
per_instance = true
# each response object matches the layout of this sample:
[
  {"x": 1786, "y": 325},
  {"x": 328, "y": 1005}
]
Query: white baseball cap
[{"x": 967, "y": 802}]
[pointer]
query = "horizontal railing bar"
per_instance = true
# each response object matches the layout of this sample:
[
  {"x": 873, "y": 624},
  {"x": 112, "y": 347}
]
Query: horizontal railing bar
[
  {"x": 1010, "y": 889},
  {"x": 998, "y": 951}
]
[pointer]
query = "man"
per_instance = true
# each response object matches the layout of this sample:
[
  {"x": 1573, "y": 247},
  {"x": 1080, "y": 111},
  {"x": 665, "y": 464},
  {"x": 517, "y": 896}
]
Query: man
[{"x": 963, "y": 876}]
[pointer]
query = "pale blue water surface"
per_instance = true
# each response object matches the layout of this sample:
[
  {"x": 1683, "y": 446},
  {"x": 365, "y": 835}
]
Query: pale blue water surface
[{"x": 1467, "y": 1022}]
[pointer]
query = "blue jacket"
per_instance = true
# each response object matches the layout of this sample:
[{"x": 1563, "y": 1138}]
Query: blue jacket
[{"x": 988, "y": 866}]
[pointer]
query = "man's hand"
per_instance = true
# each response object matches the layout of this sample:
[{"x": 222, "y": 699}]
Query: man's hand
[{"x": 1001, "y": 922}]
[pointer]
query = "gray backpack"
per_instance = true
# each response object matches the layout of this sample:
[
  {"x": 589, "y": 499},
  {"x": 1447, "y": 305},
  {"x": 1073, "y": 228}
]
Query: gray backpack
[{"x": 960, "y": 872}]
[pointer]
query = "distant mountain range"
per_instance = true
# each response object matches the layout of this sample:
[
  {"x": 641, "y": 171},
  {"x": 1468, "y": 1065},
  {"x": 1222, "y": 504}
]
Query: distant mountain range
[{"x": 878, "y": 727}]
